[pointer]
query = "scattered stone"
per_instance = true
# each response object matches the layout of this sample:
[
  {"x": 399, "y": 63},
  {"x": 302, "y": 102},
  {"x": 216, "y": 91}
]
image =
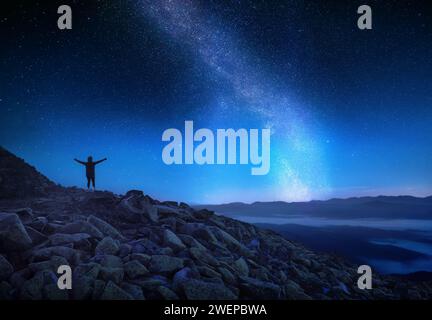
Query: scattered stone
[
  {"x": 13, "y": 235},
  {"x": 172, "y": 241},
  {"x": 105, "y": 227},
  {"x": 162, "y": 264},
  {"x": 135, "y": 269},
  {"x": 114, "y": 292},
  {"x": 107, "y": 246},
  {"x": 167, "y": 294},
  {"x": 6, "y": 269},
  {"x": 200, "y": 290},
  {"x": 81, "y": 227}
]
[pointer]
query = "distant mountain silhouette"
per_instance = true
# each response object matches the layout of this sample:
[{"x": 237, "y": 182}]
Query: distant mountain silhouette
[{"x": 394, "y": 207}]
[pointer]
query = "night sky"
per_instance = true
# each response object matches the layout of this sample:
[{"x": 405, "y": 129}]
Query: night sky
[{"x": 350, "y": 110}]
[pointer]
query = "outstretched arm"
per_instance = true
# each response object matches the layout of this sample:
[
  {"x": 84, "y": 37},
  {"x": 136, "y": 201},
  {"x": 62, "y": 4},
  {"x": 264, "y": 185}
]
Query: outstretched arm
[
  {"x": 102, "y": 160},
  {"x": 82, "y": 162}
]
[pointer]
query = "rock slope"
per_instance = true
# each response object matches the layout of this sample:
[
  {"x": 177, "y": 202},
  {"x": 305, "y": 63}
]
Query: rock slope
[{"x": 135, "y": 247}]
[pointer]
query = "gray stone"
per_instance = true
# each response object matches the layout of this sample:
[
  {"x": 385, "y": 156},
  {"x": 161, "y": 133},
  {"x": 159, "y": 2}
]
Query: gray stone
[
  {"x": 134, "y": 269},
  {"x": 200, "y": 290},
  {"x": 172, "y": 241},
  {"x": 81, "y": 227},
  {"x": 65, "y": 238},
  {"x": 105, "y": 227},
  {"x": 115, "y": 275},
  {"x": 6, "y": 269},
  {"x": 162, "y": 263},
  {"x": 107, "y": 246},
  {"x": 242, "y": 267},
  {"x": 144, "y": 259},
  {"x": 134, "y": 290},
  {"x": 257, "y": 289},
  {"x": 13, "y": 235},
  {"x": 114, "y": 292},
  {"x": 46, "y": 253},
  {"x": 111, "y": 261},
  {"x": 25, "y": 214},
  {"x": 36, "y": 236},
  {"x": 52, "y": 292},
  {"x": 167, "y": 294},
  {"x": 82, "y": 287}
]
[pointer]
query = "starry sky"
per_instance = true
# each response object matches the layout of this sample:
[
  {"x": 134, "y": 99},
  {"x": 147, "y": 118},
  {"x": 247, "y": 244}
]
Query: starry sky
[{"x": 350, "y": 111}]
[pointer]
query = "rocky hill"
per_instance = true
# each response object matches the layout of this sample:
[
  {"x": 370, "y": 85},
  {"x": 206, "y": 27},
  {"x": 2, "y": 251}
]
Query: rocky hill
[{"x": 135, "y": 247}]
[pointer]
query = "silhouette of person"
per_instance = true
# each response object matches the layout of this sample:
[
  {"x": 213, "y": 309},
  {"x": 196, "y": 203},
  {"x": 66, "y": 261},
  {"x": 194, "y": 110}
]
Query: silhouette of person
[{"x": 90, "y": 169}]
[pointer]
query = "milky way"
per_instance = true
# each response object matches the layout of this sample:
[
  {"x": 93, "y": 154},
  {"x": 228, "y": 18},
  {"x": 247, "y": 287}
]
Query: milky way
[{"x": 297, "y": 163}]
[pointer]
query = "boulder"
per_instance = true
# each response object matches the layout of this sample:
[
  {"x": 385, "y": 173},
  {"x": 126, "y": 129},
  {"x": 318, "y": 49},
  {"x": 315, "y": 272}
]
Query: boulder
[
  {"x": 203, "y": 256},
  {"x": 52, "y": 292},
  {"x": 242, "y": 267},
  {"x": 107, "y": 246},
  {"x": 172, "y": 241},
  {"x": 167, "y": 294},
  {"x": 165, "y": 264},
  {"x": 46, "y": 253},
  {"x": 115, "y": 275},
  {"x": 81, "y": 227},
  {"x": 6, "y": 269},
  {"x": 52, "y": 264},
  {"x": 114, "y": 292},
  {"x": 257, "y": 289},
  {"x": 134, "y": 290},
  {"x": 36, "y": 236},
  {"x": 90, "y": 270},
  {"x": 105, "y": 227},
  {"x": 25, "y": 214},
  {"x": 134, "y": 269},
  {"x": 201, "y": 290},
  {"x": 136, "y": 206},
  {"x": 65, "y": 238},
  {"x": 110, "y": 261},
  {"x": 82, "y": 287},
  {"x": 13, "y": 235},
  {"x": 144, "y": 259}
]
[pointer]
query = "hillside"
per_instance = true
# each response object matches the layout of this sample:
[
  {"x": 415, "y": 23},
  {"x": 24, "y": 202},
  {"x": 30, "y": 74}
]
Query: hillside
[{"x": 134, "y": 247}]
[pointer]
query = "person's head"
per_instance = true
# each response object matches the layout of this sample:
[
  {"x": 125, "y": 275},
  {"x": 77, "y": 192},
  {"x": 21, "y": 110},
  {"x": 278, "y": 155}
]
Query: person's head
[{"x": 90, "y": 159}]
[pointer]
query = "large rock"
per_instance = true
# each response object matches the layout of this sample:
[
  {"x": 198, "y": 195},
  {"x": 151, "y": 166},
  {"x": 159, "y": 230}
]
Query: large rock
[
  {"x": 107, "y": 246},
  {"x": 257, "y": 289},
  {"x": 200, "y": 290},
  {"x": 115, "y": 275},
  {"x": 114, "y": 292},
  {"x": 13, "y": 235},
  {"x": 25, "y": 214},
  {"x": 6, "y": 269},
  {"x": 81, "y": 227},
  {"x": 242, "y": 267},
  {"x": 65, "y": 238},
  {"x": 172, "y": 241},
  {"x": 136, "y": 206},
  {"x": 105, "y": 227},
  {"x": 46, "y": 253},
  {"x": 135, "y": 269},
  {"x": 165, "y": 264}
]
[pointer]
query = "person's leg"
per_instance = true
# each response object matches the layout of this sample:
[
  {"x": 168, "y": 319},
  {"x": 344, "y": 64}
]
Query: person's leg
[
  {"x": 88, "y": 182},
  {"x": 93, "y": 182}
]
